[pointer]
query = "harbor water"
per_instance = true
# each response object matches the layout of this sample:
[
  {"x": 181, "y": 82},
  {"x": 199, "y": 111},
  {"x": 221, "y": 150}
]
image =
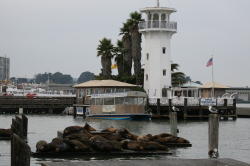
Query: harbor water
[{"x": 234, "y": 140}]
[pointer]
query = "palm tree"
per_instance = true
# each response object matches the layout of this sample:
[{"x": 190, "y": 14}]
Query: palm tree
[
  {"x": 133, "y": 22},
  {"x": 178, "y": 78},
  {"x": 126, "y": 40},
  {"x": 118, "y": 52},
  {"x": 104, "y": 50}
]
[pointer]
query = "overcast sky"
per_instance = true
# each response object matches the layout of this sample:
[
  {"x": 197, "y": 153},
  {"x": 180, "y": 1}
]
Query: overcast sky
[{"x": 62, "y": 35}]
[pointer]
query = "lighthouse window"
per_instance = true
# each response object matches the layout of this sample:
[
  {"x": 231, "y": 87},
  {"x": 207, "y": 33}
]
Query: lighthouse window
[
  {"x": 147, "y": 56},
  {"x": 164, "y": 72},
  {"x": 146, "y": 77},
  {"x": 164, "y": 50}
]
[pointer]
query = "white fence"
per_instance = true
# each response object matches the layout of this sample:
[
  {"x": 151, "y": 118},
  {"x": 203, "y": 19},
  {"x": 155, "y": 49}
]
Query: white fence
[{"x": 191, "y": 101}]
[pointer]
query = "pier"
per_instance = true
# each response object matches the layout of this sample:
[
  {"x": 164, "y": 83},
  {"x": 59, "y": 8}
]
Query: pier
[
  {"x": 192, "y": 108},
  {"x": 169, "y": 162},
  {"x": 24, "y": 104}
]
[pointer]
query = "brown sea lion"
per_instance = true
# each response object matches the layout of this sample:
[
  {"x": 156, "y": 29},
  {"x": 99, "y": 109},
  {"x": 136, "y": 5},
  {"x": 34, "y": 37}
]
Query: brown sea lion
[
  {"x": 110, "y": 129},
  {"x": 126, "y": 134},
  {"x": 113, "y": 137},
  {"x": 72, "y": 129},
  {"x": 89, "y": 128},
  {"x": 40, "y": 145},
  {"x": 102, "y": 144},
  {"x": 78, "y": 146},
  {"x": 145, "y": 138},
  {"x": 152, "y": 146},
  {"x": 132, "y": 145}
]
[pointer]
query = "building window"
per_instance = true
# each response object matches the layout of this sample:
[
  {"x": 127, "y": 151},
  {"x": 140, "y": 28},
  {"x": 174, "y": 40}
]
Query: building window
[
  {"x": 147, "y": 56},
  {"x": 146, "y": 77},
  {"x": 164, "y": 92},
  {"x": 164, "y": 50},
  {"x": 164, "y": 72}
]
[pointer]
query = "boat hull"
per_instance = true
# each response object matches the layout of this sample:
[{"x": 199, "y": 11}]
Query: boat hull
[{"x": 122, "y": 117}]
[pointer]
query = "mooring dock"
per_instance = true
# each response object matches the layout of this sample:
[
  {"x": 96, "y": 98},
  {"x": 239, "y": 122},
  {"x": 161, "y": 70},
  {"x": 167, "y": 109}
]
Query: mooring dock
[{"x": 169, "y": 162}]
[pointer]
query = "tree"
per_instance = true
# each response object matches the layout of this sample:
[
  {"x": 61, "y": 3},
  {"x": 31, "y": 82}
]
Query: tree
[
  {"x": 133, "y": 22},
  {"x": 86, "y": 76},
  {"x": 178, "y": 78},
  {"x": 57, "y": 78},
  {"x": 104, "y": 50},
  {"x": 118, "y": 53},
  {"x": 127, "y": 44}
]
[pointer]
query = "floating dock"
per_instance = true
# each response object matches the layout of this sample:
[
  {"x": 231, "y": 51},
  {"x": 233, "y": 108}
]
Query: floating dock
[{"x": 168, "y": 162}]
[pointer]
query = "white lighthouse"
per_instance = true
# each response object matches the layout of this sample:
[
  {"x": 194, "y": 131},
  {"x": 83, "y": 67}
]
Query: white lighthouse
[{"x": 157, "y": 30}]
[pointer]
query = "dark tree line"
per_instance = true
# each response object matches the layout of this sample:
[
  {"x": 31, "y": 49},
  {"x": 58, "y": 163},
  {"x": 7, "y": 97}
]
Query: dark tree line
[{"x": 57, "y": 78}]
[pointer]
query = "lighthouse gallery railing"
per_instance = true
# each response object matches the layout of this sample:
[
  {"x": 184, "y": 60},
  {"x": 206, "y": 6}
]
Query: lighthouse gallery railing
[{"x": 158, "y": 25}]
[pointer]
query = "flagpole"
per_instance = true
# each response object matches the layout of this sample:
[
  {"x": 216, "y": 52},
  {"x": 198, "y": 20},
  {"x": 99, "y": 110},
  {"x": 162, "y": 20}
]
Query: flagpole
[{"x": 213, "y": 77}]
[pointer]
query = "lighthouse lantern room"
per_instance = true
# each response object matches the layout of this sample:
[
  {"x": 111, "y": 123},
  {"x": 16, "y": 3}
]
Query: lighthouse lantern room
[{"x": 157, "y": 30}]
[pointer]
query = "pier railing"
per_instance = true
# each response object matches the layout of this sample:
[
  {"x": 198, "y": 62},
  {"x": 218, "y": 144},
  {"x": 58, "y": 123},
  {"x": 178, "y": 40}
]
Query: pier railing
[{"x": 191, "y": 101}]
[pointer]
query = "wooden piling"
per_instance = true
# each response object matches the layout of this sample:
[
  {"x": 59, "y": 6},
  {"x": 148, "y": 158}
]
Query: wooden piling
[
  {"x": 213, "y": 134},
  {"x": 185, "y": 109},
  {"x": 173, "y": 123},
  {"x": 74, "y": 112},
  {"x": 235, "y": 110},
  {"x": 20, "y": 152},
  {"x": 158, "y": 106},
  {"x": 25, "y": 126}
]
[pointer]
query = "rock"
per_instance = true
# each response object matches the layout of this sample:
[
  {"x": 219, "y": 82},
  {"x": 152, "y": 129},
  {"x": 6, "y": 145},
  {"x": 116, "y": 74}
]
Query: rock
[{"x": 5, "y": 132}]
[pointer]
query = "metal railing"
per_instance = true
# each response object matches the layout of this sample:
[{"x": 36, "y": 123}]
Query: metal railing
[{"x": 164, "y": 25}]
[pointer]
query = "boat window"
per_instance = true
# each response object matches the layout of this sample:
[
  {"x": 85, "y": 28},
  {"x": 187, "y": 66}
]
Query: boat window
[
  {"x": 108, "y": 101},
  {"x": 93, "y": 101},
  {"x": 130, "y": 100},
  {"x": 119, "y": 100},
  {"x": 141, "y": 101},
  {"x": 99, "y": 101}
]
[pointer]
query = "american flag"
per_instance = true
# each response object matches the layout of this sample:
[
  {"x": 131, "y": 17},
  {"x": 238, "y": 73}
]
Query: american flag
[{"x": 210, "y": 62}]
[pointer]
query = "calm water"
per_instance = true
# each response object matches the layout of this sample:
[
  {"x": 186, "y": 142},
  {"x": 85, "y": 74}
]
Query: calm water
[{"x": 234, "y": 136}]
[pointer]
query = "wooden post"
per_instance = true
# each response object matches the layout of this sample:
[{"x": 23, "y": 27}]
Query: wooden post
[
  {"x": 20, "y": 152},
  {"x": 213, "y": 134},
  {"x": 158, "y": 106},
  {"x": 25, "y": 126},
  {"x": 225, "y": 116},
  {"x": 173, "y": 123},
  {"x": 169, "y": 107},
  {"x": 74, "y": 112},
  {"x": 235, "y": 110},
  {"x": 185, "y": 109}
]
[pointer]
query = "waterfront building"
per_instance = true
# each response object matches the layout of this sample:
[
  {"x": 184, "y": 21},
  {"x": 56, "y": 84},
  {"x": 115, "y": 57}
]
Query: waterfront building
[
  {"x": 84, "y": 90},
  {"x": 4, "y": 68},
  {"x": 157, "y": 30}
]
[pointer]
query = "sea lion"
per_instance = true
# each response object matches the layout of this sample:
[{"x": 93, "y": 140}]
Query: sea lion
[
  {"x": 102, "y": 144},
  {"x": 40, "y": 145},
  {"x": 113, "y": 137},
  {"x": 152, "y": 146},
  {"x": 110, "y": 129},
  {"x": 126, "y": 134},
  {"x": 145, "y": 138},
  {"x": 71, "y": 130},
  {"x": 132, "y": 145},
  {"x": 162, "y": 135},
  {"x": 78, "y": 146},
  {"x": 89, "y": 128}
]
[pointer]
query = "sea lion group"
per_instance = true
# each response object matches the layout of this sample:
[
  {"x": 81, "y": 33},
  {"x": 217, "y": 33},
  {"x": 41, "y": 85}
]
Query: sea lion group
[
  {"x": 88, "y": 139},
  {"x": 5, "y": 133}
]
